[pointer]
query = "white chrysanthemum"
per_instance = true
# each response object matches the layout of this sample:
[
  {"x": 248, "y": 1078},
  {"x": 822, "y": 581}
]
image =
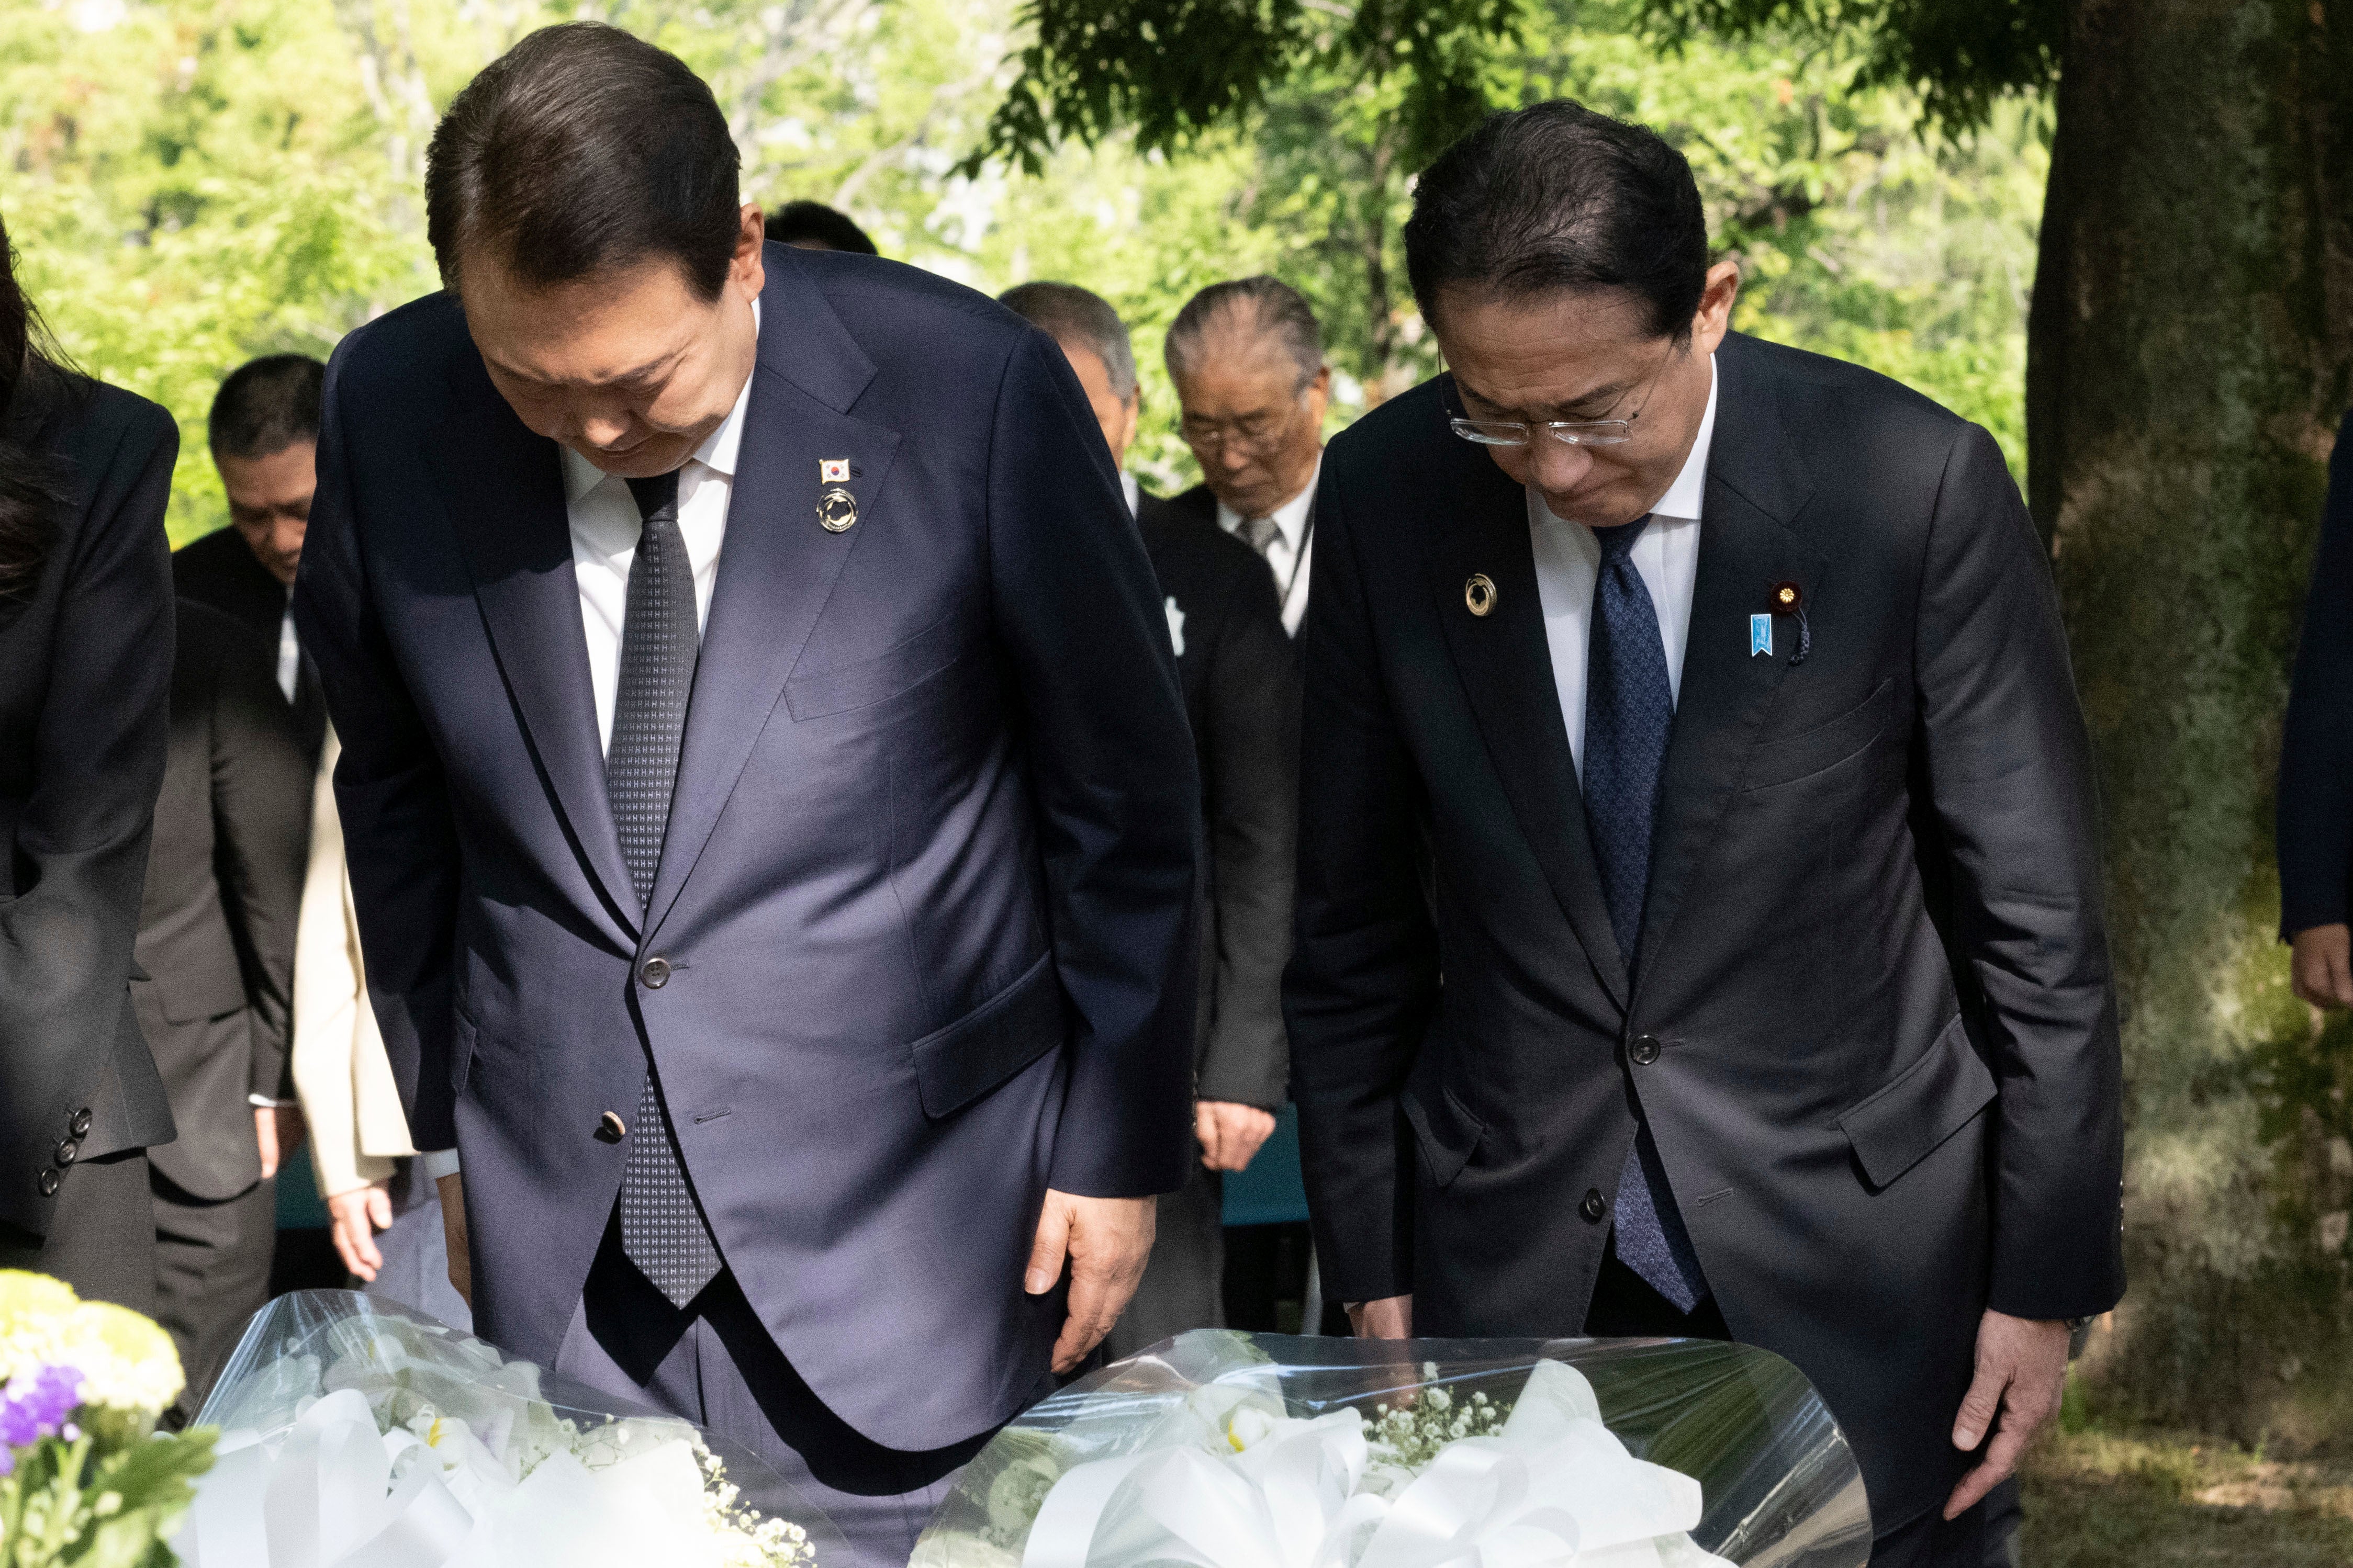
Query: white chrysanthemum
[{"x": 126, "y": 1362}]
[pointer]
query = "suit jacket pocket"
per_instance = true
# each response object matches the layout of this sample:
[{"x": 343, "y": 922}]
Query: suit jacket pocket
[
  {"x": 957, "y": 1065},
  {"x": 1822, "y": 747},
  {"x": 1446, "y": 1130},
  {"x": 1902, "y": 1121},
  {"x": 815, "y": 693},
  {"x": 190, "y": 992}
]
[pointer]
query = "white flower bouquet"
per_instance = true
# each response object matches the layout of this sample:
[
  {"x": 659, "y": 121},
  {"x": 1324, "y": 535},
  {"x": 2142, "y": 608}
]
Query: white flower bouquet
[
  {"x": 356, "y": 1433},
  {"x": 83, "y": 1477},
  {"x": 1232, "y": 1450}
]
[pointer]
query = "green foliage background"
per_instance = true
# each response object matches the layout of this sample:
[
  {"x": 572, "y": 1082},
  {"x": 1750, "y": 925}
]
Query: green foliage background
[{"x": 190, "y": 183}]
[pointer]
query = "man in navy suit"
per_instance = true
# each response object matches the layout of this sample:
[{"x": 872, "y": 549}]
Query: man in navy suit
[
  {"x": 2316, "y": 779},
  {"x": 769, "y": 797}
]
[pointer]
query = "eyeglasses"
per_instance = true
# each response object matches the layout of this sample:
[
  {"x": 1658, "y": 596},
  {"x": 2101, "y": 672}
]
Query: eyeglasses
[
  {"x": 1254, "y": 434},
  {"x": 1568, "y": 432}
]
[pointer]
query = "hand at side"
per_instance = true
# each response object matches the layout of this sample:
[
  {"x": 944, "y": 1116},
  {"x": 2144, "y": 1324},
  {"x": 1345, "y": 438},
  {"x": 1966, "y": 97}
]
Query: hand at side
[
  {"x": 1105, "y": 1242},
  {"x": 2321, "y": 965},
  {"x": 1230, "y": 1134},
  {"x": 278, "y": 1130},
  {"x": 1390, "y": 1318},
  {"x": 453, "y": 1231},
  {"x": 2022, "y": 1367},
  {"x": 355, "y": 1216}
]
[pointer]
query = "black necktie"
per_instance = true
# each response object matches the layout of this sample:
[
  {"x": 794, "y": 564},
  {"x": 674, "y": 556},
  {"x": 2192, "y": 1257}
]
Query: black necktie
[
  {"x": 662, "y": 1230},
  {"x": 1629, "y": 707}
]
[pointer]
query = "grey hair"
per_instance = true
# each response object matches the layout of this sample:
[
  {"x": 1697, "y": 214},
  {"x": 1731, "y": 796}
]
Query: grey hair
[
  {"x": 1067, "y": 311},
  {"x": 1266, "y": 307}
]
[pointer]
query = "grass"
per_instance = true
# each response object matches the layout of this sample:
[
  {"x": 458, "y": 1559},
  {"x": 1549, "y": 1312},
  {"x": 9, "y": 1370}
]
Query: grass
[{"x": 2102, "y": 1499}]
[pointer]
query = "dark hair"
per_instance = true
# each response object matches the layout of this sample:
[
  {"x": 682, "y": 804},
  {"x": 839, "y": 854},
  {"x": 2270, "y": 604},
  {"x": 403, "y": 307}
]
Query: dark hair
[
  {"x": 580, "y": 148},
  {"x": 1267, "y": 307},
  {"x": 1556, "y": 196},
  {"x": 1067, "y": 311},
  {"x": 816, "y": 223},
  {"x": 265, "y": 405},
  {"x": 32, "y": 481}
]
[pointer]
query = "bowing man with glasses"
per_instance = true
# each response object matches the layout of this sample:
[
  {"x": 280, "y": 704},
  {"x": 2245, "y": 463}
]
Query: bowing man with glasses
[
  {"x": 1698, "y": 710},
  {"x": 1247, "y": 360}
]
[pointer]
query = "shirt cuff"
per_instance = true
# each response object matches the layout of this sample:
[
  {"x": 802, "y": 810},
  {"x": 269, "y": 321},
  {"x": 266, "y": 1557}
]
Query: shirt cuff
[
  {"x": 264, "y": 1102},
  {"x": 440, "y": 1162}
]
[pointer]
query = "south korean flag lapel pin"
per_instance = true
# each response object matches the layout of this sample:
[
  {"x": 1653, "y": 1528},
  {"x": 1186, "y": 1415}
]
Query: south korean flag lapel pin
[{"x": 837, "y": 508}]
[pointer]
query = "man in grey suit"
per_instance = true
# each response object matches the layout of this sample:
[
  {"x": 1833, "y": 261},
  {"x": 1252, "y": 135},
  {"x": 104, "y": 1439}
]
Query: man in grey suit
[
  {"x": 766, "y": 793},
  {"x": 1698, "y": 708},
  {"x": 216, "y": 951},
  {"x": 1241, "y": 682}
]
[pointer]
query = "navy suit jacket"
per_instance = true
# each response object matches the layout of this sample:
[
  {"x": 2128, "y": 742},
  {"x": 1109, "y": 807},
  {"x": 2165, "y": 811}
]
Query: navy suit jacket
[
  {"x": 927, "y": 891},
  {"x": 2315, "y": 781}
]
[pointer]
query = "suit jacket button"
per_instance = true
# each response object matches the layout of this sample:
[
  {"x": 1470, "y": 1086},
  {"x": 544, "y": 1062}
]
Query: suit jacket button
[
  {"x": 68, "y": 1152},
  {"x": 611, "y": 1129},
  {"x": 655, "y": 972},
  {"x": 1594, "y": 1206},
  {"x": 79, "y": 1126},
  {"x": 1644, "y": 1050},
  {"x": 47, "y": 1182}
]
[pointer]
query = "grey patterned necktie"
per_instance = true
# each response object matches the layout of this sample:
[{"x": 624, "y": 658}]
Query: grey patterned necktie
[
  {"x": 662, "y": 1230},
  {"x": 1259, "y": 533},
  {"x": 1629, "y": 707}
]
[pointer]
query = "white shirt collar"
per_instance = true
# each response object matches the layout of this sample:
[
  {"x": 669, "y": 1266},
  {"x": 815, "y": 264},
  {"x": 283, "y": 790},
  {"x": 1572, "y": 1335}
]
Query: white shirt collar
[
  {"x": 717, "y": 452},
  {"x": 1685, "y": 497},
  {"x": 1133, "y": 491},
  {"x": 1290, "y": 518}
]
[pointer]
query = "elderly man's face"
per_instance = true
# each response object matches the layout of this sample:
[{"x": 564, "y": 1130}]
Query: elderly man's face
[
  {"x": 1255, "y": 427},
  {"x": 1115, "y": 413},
  {"x": 1581, "y": 355}
]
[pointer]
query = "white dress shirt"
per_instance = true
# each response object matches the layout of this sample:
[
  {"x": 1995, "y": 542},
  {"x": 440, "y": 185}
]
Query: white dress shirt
[
  {"x": 1568, "y": 561},
  {"x": 605, "y": 526},
  {"x": 289, "y": 651},
  {"x": 1291, "y": 554},
  {"x": 605, "y": 530}
]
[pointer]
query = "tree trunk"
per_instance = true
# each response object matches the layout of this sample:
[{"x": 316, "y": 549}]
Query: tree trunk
[{"x": 2192, "y": 351}]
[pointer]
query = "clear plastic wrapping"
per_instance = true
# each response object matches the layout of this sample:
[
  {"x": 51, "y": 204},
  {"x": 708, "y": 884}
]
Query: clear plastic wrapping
[
  {"x": 357, "y": 1434},
  {"x": 1231, "y": 1450}
]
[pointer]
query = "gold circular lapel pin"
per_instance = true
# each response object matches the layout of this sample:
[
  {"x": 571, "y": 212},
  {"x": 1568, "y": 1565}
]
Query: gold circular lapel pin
[
  {"x": 836, "y": 509},
  {"x": 1479, "y": 594}
]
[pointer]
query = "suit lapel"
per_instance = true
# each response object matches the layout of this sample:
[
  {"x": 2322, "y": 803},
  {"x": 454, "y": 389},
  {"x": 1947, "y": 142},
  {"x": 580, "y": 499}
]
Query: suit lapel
[
  {"x": 1505, "y": 664},
  {"x": 1755, "y": 488},
  {"x": 504, "y": 492},
  {"x": 776, "y": 566}
]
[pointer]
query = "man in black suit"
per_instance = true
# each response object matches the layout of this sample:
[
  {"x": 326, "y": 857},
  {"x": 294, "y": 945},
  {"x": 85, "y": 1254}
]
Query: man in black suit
[
  {"x": 264, "y": 434},
  {"x": 1699, "y": 709},
  {"x": 1241, "y": 681},
  {"x": 1247, "y": 358},
  {"x": 2316, "y": 779},
  {"x": 216, "y": 947}
]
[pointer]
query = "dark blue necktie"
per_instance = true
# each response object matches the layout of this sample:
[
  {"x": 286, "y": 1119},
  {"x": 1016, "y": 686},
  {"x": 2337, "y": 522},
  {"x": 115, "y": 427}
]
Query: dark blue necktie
[
  {"x": 662, "y": 1230},
  {"x": 1629, "y": 707}
]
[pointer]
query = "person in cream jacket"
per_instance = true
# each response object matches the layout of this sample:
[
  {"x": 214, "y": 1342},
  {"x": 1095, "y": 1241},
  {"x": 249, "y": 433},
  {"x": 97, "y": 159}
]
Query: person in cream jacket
[{"x": 359, "y": 1135}]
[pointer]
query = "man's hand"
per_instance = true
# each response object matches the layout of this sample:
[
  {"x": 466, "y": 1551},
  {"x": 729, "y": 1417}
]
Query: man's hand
[
  {"x": 1230, "y": 1134},
  {"x": 453, "y": 1233},
  {"x": 1390, "y": 1318},
  {"x": 2021, "y": 1366},
  {"x": 355, "y": 1217},
  {"x": 2322, "y": 966},
  {"x": 278, "y": 1130},
  {"x": 1105, "y": 1241}
]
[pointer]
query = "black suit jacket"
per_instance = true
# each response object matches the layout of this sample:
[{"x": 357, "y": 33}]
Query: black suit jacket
[
  {"x": 2316, "y": 780},
  {"x": 84, "y": 684},
  {"x": 1241, "y": 679},
  {"x": 223, "y": 887},
  {"x": 1870, "y": 1141},
  {"x": 220, "y": 570}
]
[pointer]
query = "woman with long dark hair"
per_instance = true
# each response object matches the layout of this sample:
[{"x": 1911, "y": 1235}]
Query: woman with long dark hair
[{"x": 85, "y": 683}]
